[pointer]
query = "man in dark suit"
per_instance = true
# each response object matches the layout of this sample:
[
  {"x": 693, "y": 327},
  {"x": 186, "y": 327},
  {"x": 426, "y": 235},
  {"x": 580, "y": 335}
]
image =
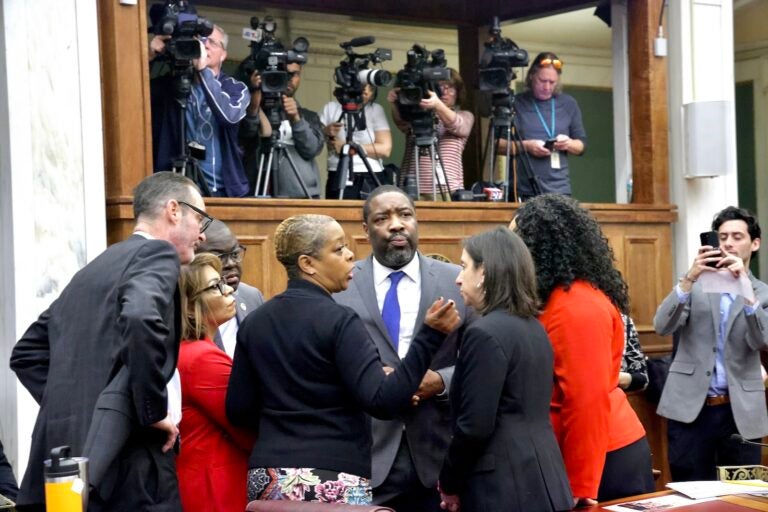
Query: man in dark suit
[
  {"x": 220, "y": 241},
  {"x": 408, "y": 452},
  {"x": 715, "y": 388},
  {"x": 117, "y": 320}
]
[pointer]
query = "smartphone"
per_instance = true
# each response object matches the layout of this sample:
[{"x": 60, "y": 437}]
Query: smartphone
[
  {"x": 550, "y": 144},
  {"x": 713, "y": 239}
]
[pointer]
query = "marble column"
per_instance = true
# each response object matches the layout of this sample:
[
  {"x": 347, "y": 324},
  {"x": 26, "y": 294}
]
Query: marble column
[
  {"x": 52, "y": 218},
  {"x": 701, "y": 68}
]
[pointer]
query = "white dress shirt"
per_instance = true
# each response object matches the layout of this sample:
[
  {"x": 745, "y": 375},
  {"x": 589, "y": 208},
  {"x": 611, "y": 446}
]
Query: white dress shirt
[{"x": 408, "y": 295}]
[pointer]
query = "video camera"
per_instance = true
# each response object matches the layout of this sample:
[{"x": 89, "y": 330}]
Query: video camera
[
  {"x": 421, "y": 74},
  {"x": 500, "y": 56},
  {"x": 176, "y": 18},
  {"x": 269, "y": 57},
  {"x": 352, "y": 73}
]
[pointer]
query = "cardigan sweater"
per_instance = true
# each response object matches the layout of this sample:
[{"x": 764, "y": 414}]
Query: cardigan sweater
[{"x": 305, "y": 373}]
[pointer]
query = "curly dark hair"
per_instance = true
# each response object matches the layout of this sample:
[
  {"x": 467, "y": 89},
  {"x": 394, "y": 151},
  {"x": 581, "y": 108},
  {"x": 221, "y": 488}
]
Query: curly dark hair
[{"x": 567, "y": 244}]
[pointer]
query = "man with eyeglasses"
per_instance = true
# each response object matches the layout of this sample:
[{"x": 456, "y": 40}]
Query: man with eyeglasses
[
  {"x": 98, "y": 361},
  {"x": 221, "y": 242},
  {"x": 302, "y": 133},
  {"x": 215, "y": 106}
]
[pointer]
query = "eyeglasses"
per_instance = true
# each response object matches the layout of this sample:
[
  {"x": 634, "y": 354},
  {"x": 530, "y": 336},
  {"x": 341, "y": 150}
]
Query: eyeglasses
[
  {"x": 213, "y": 41},
  {"x": 236, "y": 255},
  {"x": 218, "y": 285},
  {"x": 207, "y": 219},
  {"x": 555, "y": 63},
  {"x": 447, "y": 87}
]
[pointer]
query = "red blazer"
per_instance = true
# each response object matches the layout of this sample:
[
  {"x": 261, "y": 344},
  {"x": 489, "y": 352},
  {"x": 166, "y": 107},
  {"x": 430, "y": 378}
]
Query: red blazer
[
  {"x": 213, "y": 462},
  {"x": 590, "y": 413}
]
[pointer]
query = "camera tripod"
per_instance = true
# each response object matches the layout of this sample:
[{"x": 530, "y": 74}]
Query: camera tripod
[
  {"x": 273, "y": 158},
  {"x": 425, "y": 139},
  {"x": 185, "y": 164},
  {"x": 354, "y": 120},
  {"x": 503, "y": 117}
]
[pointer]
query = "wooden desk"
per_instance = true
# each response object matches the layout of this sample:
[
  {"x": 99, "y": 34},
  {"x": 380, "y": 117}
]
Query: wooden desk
[{"x": 740, "y": 503}]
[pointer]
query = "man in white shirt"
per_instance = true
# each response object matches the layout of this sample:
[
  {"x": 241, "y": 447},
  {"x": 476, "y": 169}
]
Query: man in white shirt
[
  {"x": 221, "y": 242},
  {"x": 391, "y": 291}
]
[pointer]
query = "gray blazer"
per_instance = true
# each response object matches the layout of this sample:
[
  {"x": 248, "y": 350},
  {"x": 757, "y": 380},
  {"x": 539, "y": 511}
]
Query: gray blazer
[
  {"x": 697, "y": 322},
  {"x": 248, "y": 299},
  {"x": 427, "y": 426}
]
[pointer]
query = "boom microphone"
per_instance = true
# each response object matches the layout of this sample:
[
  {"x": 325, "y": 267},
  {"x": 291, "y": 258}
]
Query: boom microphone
[{"x": 361, "y": 41}]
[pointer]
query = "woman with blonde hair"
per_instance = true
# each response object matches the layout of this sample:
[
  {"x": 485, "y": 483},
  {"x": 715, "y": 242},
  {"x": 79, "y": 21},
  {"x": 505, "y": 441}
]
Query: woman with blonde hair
[
  {"x": 306, "y": 373},
  {"x": 212, "y": 464}
]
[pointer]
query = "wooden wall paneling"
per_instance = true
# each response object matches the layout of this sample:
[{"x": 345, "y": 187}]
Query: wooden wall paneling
[
  {"x": 648, "y": 105},
  {"x": 125, "y": 95}
]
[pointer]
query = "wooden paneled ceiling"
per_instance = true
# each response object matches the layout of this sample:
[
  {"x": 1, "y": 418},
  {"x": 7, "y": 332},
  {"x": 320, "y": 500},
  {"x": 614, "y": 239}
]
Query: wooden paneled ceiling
[{"x": 450, "y": 12}]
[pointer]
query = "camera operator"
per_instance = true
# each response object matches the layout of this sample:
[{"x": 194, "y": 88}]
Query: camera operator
[
  {"x": 375, "y": 139},
  {"x": 216, "y": 105},
  {"x": 302, "y": 134},
  {"x": 551, "y": 129},
  {"x": 453, "y": 128}
]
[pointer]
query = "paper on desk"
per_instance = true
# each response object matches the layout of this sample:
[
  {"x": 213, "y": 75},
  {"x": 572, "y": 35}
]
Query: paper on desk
[
  {"x": 723, "y": 281},
  {"x": 657, "y": 504},
  {"x": 713, "y": 488}
]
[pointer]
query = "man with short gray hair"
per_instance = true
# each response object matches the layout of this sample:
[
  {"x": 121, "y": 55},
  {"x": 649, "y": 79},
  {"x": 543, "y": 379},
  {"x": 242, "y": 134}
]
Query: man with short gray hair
[{"x": 110, "y": 342}]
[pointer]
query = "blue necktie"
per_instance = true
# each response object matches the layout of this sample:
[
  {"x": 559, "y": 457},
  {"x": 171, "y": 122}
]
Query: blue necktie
[{"x": 390, "y": 312}]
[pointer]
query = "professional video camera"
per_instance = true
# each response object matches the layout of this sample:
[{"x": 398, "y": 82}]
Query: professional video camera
[
  {"x": 352, "y": 73},
  {"x": 500, "y": 56},
  {"x": 420, "y": 74},
  {"x": 176, "y": 18},
  {"x": 269, "y": 57},
  {"x": 423, "y": 72},
  {"x": 179, "y": 20}
]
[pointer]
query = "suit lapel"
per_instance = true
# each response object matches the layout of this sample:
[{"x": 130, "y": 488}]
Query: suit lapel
[
  {"x": 363, "y": 282},
  {"x": 428, "y": 289}
]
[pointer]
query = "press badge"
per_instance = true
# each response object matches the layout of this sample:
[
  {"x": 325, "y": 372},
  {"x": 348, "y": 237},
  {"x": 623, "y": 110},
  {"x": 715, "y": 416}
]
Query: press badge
[{"x": 555, "y": 159}]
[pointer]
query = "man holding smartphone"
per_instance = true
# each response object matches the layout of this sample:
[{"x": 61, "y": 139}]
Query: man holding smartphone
[{"x": 714, "y": 393}]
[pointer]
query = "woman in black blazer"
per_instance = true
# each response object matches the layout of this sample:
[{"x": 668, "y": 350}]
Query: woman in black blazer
[
  {"x": 305, "y": 374},
  {"x": 503, "y": 455}
]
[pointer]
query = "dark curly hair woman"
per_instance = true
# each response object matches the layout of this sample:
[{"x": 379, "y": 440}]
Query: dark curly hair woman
[{"x": 602, "y": 441}]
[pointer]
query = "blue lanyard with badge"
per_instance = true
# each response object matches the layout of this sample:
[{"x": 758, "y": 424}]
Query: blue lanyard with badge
[{"x": 550, "y": 131}]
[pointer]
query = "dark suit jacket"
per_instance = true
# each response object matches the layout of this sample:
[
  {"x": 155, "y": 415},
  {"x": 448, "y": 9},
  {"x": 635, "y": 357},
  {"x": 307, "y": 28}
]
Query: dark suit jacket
[
  {"x": 305, "y": 374},
  {"x": 697, "y": 321},
  {"x": 248, "y": 298},
  {"x": 427, "y": 426},
  {"x": 117, "y": 312},
  {"x": 504, "y": 455}
]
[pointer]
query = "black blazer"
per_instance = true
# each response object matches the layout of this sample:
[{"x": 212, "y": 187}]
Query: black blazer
[
  {"x": 305, "y": 373},
  {"x": 117, "y": 312},
  {"x": 503, "y": 455}
]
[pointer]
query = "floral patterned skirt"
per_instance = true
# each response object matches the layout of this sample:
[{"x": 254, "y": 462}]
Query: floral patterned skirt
[{"x": 308, "y": 484}]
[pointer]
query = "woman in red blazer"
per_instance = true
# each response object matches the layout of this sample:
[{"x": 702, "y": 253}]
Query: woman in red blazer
[
  {"x": 213, "y": 460},
  {"x": 603, "y": 443}
]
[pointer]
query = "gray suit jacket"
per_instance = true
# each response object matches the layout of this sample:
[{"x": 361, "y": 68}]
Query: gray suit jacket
[
  {"x": 697, "y": 322},
  {"x": 248, "y": 299},
  {"x": 427, "y": 426}
]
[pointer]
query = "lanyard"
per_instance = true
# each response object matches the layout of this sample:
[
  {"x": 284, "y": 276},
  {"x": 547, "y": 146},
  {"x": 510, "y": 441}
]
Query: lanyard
[{"x": 550, "y": 131}]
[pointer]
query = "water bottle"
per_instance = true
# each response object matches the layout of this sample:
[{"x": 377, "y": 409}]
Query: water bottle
[{"x": 66, "y": 482}]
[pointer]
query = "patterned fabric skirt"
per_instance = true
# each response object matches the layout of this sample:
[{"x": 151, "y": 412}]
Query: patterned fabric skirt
[{"x": 308, "y": 484}]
